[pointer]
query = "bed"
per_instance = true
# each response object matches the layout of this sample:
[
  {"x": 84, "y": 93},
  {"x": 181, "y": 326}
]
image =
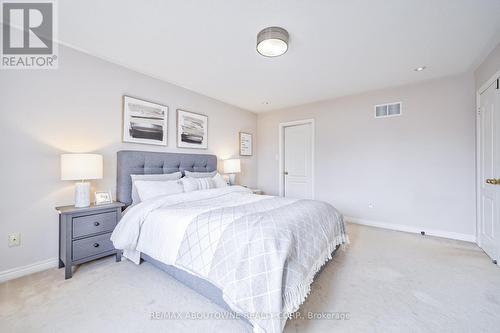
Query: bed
[{"x": 252, "y": 255}]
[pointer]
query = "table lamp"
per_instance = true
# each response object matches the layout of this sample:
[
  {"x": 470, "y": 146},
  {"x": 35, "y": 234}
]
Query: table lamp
[
  {"x": 81, "y": 167},
  {"x": 232, "y": 167}
]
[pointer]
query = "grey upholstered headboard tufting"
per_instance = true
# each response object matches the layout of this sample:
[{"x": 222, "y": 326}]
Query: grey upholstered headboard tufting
[{"x": 131, "y": 162}]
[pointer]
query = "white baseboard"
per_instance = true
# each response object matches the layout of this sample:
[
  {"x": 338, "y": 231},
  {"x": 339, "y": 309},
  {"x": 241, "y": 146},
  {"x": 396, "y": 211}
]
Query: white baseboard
[
  {"x": 14, "y": 273},
  {"x": 411, "y": 229}
]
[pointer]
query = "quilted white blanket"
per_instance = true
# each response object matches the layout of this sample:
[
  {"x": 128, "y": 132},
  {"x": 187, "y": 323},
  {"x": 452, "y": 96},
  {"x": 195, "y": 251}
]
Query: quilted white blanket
[{"x": 261, "y": 251}]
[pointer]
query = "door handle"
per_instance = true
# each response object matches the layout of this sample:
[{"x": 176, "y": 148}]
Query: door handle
[
  {"x": 493, "y": 181},
  {"x": 285, "y": 173}
]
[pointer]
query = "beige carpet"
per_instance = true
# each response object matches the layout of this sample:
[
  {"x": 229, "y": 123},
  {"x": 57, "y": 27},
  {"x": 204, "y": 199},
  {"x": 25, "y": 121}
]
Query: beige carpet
[{"x": 386, "y": 281}]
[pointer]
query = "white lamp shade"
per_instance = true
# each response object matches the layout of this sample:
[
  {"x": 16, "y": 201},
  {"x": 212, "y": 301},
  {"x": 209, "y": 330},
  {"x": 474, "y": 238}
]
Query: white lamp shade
[
  {"x": 81, "y": 166},
  {"x": 232, "y": 166}
]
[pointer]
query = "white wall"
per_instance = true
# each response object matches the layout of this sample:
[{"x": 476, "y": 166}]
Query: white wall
[
  {"x": 489, "y": 67},
  {"x": 78, "y": 108},
  {"x": 417, "y": 169}
]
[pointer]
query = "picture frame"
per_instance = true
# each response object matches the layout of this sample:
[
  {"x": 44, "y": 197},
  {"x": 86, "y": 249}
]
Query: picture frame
[
  {"x": 102, "y": 198},
  {"x": 192, "y": 130},
  {"x": 144, "y": 122},
  {"x": 246, "y": 144}
]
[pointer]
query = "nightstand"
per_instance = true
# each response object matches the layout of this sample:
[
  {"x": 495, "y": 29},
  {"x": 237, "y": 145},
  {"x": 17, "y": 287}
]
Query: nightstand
[
  {"x": 84, "y": 234},
  {"x": 254, "y": 190}
]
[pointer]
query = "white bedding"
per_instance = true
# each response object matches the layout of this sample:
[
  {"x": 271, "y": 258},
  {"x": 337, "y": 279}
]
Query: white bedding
[{"x": 167, "y": 220}]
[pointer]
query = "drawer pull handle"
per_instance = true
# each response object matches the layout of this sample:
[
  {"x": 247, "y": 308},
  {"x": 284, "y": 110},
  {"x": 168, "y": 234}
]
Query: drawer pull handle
[
  {"x": 96, "y": 224},
  {"x": 96, "y": 244}
]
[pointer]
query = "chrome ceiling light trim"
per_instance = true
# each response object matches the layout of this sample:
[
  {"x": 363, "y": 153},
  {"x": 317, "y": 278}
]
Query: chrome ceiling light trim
[{"x": 272, "y": 42}]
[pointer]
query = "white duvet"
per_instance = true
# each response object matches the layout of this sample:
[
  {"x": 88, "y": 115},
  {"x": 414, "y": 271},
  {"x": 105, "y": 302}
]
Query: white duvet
[{"x": 167, "y": 219}]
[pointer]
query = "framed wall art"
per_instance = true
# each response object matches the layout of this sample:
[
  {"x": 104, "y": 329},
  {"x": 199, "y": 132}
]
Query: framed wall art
[
  {"x": 144, "y": 122},
  {"x": 246, "y": 144},
  {"x": 192, "y": 130}
]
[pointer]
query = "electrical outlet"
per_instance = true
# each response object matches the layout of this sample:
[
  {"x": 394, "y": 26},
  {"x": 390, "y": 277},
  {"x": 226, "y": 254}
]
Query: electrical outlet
[{"x": 14, "y": 239}]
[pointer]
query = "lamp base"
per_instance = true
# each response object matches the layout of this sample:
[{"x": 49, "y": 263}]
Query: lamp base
[
  {"x": 232, "y": 179},
  {"x": 82, "y": 194}
]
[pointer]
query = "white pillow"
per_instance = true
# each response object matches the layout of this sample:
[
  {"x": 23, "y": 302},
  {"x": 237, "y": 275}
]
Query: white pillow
[
  {"x": 196, "y": 184},
  {"x": 192, "y": 174},
  {"x": 219, "y": 181},
  {"x": 167, "y": 176},
  {"x": 148, "y": 189}
]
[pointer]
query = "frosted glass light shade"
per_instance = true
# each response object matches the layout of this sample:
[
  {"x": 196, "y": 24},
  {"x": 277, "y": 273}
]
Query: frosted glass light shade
[
  {"x": 81, "y": 166},
  {"x": 272, "y": 47},
  {"x": 232, "y": 166}
]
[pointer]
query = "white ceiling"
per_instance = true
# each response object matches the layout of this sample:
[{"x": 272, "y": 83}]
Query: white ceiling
[{"x": 336, "y": 47}]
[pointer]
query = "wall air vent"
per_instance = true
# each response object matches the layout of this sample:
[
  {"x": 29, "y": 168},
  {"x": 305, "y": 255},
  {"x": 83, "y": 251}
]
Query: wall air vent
[{"x": 388, "y": 110}]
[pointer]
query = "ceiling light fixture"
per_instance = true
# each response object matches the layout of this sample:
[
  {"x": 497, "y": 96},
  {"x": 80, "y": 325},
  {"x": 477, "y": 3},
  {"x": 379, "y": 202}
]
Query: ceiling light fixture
[
  {"x": 419, "y": 69},
  {"x": 272, "y": 41}
]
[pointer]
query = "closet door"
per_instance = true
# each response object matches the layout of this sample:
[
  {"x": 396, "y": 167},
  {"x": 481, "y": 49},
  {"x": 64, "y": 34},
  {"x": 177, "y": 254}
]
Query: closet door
[
  {"x": 298, "y": 161},
  {"x": 489, "y": 171}
]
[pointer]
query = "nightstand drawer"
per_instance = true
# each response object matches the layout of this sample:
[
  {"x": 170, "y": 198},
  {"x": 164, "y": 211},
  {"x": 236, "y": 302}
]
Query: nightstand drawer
[
  {"x": 92, "y": 224},
  {"x": 91, "y": 246}
]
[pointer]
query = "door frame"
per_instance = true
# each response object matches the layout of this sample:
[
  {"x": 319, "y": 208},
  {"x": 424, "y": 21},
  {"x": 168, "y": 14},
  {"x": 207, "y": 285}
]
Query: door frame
[
  {"x": 281, "y": 156},
  {"x": 482, "y": 89}
]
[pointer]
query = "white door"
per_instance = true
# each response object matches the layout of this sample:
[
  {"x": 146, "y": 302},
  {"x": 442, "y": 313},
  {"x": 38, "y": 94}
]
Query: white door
[
  {"x": 298, "y": 161},
  {"x": 489, "y": 172}
]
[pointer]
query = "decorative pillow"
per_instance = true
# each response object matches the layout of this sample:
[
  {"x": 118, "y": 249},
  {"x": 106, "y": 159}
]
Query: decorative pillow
[
  {"x": 219, "y": 181},
  {"x": 191, "y": 174},
  {"x": 147, "y": 189},
  {"x": 196, "y": 184},
  {"x": 167, "y": 176}
]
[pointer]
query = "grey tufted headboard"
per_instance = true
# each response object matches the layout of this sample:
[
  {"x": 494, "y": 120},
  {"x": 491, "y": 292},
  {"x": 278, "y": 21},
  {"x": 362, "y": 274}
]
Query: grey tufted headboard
[{"x": 131, "y": 162}]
